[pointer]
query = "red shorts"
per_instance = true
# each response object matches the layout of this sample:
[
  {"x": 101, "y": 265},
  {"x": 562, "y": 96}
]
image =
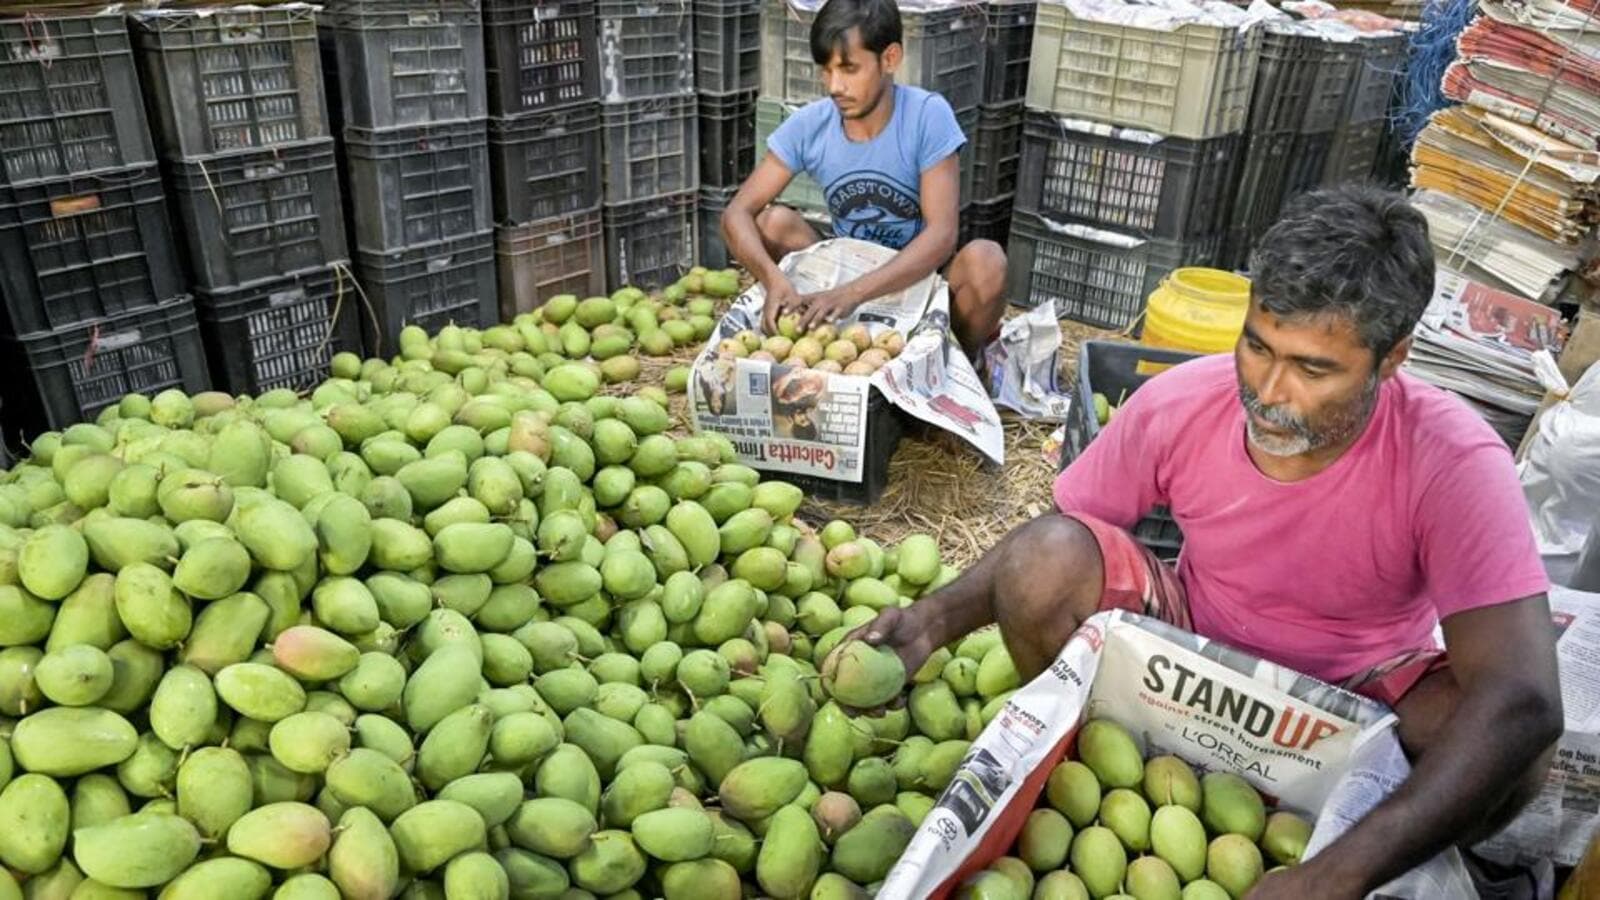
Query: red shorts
[{"x": 1135, "y": 580}]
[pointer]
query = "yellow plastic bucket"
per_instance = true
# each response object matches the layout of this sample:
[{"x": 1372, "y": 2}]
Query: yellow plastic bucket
[{"x": 1197, "y": 309}]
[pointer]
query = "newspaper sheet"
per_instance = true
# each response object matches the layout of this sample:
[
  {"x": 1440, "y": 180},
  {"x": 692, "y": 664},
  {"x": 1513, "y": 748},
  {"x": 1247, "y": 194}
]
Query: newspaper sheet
[
  {"x": 1562, "y": 819},
  {"x": 1308, "y": 746},
  {"x": 802, "y": 421}
]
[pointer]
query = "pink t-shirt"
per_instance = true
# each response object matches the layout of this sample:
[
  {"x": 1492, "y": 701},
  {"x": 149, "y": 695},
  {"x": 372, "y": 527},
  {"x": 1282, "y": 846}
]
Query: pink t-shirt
[{"x": 1421, "y": 518}]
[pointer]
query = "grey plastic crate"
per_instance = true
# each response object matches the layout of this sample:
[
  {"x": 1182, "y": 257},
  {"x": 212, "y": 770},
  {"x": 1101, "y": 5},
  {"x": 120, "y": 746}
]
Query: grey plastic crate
[
  {"x": 69, "y": 98},
  {"x": 652, "y": 147},
  {"x": 987, "y": 221},
  {"x": 537, "y": 261},
  {"x": 543, "y": 164},
  {"x": 1353, "y": 153},
  {"x": 1131, "y": 181},
  {"x": 281, "y": 332},
  {"x": 408, "y": 64},
  {"x": 650, "y": 243},
  {"x": 249, "y": 216},
  {"x": 728, "y": 151},
  {"x": 1191, "y": 82},
  {"x": 803, "y": 192},
  {"x": 1325, "y": 104},
  {"x": 411, "y": 186},
  {"x": 225, "y": 80},
  {"x": 727, "y": 45},
  {"x": 1093, "y": 279},
  {"x": 1009, "y": 38},
  {"x": 996, "y": 152},
  {"x": 540, "y": 54},
  {"x": 713, "y": 249},
  {"x": 1258, "y": 194},
  {"x": 1285, "y": 78},
  {"x": 431, "y": 286},
  {"x": 945, "y": 52},
  {"x": 59, "y": 378},
  {"x": 73, "y": 250},
  {"x": 646, "y": 49},
  {"x": 1383, "y": 60}
]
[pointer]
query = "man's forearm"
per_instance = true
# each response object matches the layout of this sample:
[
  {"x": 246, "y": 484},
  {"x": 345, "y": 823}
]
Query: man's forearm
[
  {"x": 920, "y": 258},
  {"x": 1478, "y": 757},
  {"x": 743, "y": 238}
]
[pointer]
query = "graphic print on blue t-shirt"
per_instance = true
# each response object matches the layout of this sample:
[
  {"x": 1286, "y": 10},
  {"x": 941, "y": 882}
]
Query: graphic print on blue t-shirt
[
  {"x": 871, "y": 206},
  {"x": 873, "y": 188}
]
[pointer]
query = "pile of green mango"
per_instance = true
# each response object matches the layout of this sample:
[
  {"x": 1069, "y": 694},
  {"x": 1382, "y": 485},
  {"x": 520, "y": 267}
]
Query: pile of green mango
[
  {"x": 607, "y": 330},
  {"x": 452, "y": 625},
  {"x": 1111, "y": 824}
]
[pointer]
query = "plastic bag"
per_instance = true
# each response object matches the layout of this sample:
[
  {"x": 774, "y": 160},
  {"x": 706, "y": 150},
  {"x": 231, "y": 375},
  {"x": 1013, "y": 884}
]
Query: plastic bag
[
  {"x": 1023, "y": 366},
  {"x": 1560, "y": 468}
]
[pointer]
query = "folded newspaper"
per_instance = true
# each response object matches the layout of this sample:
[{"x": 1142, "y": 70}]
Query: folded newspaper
[
  {"x": 1317, "y": 750},
  {"x": 806, "y": 422},
  {"x": 1479, "y": 343},
  {"x": 1559, "y": 823}
]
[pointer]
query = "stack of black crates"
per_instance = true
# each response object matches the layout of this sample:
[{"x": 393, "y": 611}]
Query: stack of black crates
[
  {"x": 93, "y": 295},
  {"x": 997, "y": 145},
  {"x": 650, "y": 140},
  {"x": 727, "y": 57},
  {"x": 413, "y": 130},
  {"x": 240, "y": 117},
  {"x": 1317, "y": 118},
  {"x": 1131, "y": 136},
  {"x": 544, "y": 149}
]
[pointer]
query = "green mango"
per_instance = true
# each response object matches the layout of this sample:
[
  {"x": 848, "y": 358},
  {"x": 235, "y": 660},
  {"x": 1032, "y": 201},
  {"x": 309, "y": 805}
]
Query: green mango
[
  {"x": 66, "y": 741},
  {"x": 552, "y": 826},
  {"x": 141, "y": 851},
  {"x": 282, "y": 835}
]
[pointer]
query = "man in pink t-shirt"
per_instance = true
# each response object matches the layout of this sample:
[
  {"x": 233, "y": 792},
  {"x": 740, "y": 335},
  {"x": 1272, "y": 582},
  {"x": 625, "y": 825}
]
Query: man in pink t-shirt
[{"x": 1334, "y": 511}]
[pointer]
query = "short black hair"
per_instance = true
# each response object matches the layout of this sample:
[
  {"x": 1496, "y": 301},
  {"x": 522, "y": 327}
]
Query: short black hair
[
  {"x": 1356, "y": 250},
  {"x": 878, "y": 20}
]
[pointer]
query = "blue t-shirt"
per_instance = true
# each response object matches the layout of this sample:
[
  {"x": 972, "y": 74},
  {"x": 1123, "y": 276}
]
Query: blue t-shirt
[{"x": 873, "y": 188}]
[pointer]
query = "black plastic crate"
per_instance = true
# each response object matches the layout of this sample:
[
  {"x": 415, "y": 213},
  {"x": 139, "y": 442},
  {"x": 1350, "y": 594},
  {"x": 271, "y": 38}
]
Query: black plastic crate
[
  {"x": 251, "y": 216},
  {"x": 997, "y": 151},
  {"x": 727, "y": 46},
  {"x": 407, "y": 64},
  {"x": 1383, "y": 61},
  {"x": 1285, "y": 77},
  {"x": 78, "y": 249},
  {"x": 540, "y": 54},
  {"x": 727, "y": 139},
  {"x": 282, "y": 332},
  {"x": 1009, "y": 39},
  {"x": 646, "y": 49},
  {"x": 223, "y": 80},
  {"x": 713, "y": 250},
  {"x": 650, "y": 243},
  {"x": 431, "y": 286},
  {"x": 542, "y": 165},
  {"x": 1307, "y": 161},
  {"x": 652, "y": 147},
  {"x": 563, "y": 255},
  {"x": 69, "y": 98},
  {"x": 1091, "y": 276},
  {"x": 61, "y": 377},
  {"x": 989, "y": 220},
  {"x": 884, "y": 429},
  {"x": 1132, "y": 181},
  {"x": 1258, "y": 196},
  {"x": 1116, "y": 370},
  {"x": 1353, "y": 153},
  {"x": 412, "y": 186},
  {"x": 1325, "y": 103}
]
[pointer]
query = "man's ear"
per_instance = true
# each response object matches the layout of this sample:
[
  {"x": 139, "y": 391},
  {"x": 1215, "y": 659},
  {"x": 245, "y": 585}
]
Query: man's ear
[
  {"x": 1394, "y": 358},
  {"x": 893, "y": 56}
]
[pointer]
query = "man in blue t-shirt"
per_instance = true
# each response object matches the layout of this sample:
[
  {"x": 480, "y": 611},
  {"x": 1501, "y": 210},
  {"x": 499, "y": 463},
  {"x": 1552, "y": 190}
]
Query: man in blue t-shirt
[{"x": 885, "y": 156}]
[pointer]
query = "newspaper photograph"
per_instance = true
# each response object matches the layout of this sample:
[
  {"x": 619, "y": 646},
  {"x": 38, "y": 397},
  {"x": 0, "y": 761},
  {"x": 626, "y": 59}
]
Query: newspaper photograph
[
  {"x": 1309, "y": 747},
  {"x": 806, "y": 421},
  {"x": 1559, "y": 823}
]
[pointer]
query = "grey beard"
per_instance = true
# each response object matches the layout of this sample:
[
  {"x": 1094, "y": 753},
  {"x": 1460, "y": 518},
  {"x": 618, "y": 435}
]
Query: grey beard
[{"x": 1303, "y": 438}]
